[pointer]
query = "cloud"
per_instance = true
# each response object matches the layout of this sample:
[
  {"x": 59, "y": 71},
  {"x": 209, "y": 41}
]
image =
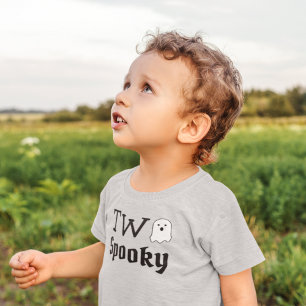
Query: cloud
[
  {"x": 59, "y": 53},
  {"x": 54, "y": 84},
  {"x": 54, "y": 29}
]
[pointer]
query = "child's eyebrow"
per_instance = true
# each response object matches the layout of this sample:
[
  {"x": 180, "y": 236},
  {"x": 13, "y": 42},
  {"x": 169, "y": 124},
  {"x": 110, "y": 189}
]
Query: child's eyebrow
[
  {"x": 151, "y": 80},
  {"x": 145, "y": 77}
]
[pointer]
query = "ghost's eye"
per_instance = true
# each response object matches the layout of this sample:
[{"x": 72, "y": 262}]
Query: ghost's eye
[
  {"x": 158, "y": 224},
  {"x": 165, "y": 224}
]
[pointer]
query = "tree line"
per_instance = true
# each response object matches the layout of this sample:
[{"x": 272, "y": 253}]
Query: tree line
[
  {"x": 261, "y": 103},
  {"x": 267, "y": 103}
]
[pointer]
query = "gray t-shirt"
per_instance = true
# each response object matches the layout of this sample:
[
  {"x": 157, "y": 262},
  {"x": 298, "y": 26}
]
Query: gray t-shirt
[{"x": 169, "y": 247}]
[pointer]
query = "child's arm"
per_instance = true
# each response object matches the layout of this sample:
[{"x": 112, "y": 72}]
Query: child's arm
[
  {"x": 238, "y": 289},
  {"x": 33, "y": 267},
  {"x": 82, "y": 263}
]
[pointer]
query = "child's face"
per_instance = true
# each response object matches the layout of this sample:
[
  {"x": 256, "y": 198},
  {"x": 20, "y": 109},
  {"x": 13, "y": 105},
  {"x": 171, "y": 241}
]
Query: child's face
[{"x": 149, "y": 103}]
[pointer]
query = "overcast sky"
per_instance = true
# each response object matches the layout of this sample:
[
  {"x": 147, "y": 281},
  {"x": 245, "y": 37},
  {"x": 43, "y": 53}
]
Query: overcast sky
[{"x": 62, "y": 53}]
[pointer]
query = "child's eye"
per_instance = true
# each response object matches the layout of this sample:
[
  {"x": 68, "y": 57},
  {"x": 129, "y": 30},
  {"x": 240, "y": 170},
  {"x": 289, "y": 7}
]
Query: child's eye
[
  {"x": 147, "y": 86},
  {"x": 125, "y": 85}
]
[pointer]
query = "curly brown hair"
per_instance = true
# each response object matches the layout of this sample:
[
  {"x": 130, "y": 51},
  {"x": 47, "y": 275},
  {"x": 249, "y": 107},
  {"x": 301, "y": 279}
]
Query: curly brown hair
[{"x": 216, "y": 91}]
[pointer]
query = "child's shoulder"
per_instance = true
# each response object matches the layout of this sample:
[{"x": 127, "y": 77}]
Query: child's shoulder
[
  {"x": 221, "y": 191},
  {"x": 214, "y": 188},
  {"x": 214, "y": 193}
]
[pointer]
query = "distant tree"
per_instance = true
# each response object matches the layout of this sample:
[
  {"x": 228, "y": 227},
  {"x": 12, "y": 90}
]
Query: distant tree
[
  {"x": 269, "y": 103},
  {"x": 103, "y": 112},
  {"x": 297, "y": 98},
  {"x": 62, "y": 116},
  {"x": 279, "y": 106},
  {"x": 256, "y": 102},
  {"x": 258, "y": 93},
  {"x": 84, "y": 110},
  {"x": 254, "y": 106}
]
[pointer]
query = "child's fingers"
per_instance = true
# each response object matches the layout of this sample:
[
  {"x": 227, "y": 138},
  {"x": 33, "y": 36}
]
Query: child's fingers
[
  {"x": 22, "y": 260},
  {"x": 16, "y": 263},
  {"x": 27, "y": 285},
  {"x": 22, "y": 273},
  {"x": 26, "y": 279}
]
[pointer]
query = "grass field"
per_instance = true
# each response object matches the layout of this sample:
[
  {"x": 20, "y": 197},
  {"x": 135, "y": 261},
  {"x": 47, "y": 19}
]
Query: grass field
[{"x": 49, "y": 194}]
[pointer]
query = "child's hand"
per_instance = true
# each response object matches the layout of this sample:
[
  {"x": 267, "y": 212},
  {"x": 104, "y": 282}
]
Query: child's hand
[{"x": 30, "y": 268}]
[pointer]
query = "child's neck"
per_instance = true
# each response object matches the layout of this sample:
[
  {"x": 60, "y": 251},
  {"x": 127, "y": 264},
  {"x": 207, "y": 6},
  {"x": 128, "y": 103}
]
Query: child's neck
[{"x": 151, "y": 178}]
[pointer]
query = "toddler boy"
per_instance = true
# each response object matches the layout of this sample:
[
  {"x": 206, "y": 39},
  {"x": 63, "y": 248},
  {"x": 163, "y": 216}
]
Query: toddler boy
[{"x": 169, "y": 234}]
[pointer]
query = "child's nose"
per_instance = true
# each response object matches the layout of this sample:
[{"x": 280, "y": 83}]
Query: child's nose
[{"x": 121, "y": 98}]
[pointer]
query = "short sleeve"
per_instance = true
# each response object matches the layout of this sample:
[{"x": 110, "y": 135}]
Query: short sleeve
[
  {"x": 98, "y": 227},
  {"x": 230, "y": 243}
]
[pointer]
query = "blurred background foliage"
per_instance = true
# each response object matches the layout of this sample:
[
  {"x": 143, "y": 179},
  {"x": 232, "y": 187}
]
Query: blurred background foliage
[
  {"x": 262, "y": 103},
  {"x": 48, "y": 200},
  {"x": 257, "y": 103}
]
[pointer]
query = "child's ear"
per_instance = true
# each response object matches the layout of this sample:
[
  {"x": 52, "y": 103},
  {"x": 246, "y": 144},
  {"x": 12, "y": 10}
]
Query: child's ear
[{"x": 194, "y": 128}]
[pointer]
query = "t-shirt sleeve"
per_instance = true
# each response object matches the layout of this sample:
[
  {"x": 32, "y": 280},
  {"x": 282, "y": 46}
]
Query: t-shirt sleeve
[
  {"x": 98, "y": 226},
  {"x": 230, "y": 243}
]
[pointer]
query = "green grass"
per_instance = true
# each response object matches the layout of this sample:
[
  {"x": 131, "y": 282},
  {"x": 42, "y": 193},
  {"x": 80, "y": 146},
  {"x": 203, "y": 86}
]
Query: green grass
[{"x": 48, "y": 201}]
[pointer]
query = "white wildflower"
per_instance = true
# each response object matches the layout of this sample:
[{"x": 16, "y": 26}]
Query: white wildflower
[
  {"x": 29, "y": 141},
  {"x": 34, "y": 151}
]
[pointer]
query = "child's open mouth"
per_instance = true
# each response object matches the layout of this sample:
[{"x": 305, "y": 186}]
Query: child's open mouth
[
  {"x": 118, "y": 121},
  {"x": 116, "y": 125}
]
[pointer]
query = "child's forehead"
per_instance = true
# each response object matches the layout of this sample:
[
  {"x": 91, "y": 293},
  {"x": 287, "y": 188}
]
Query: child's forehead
[{"x": 152, "y": 64}]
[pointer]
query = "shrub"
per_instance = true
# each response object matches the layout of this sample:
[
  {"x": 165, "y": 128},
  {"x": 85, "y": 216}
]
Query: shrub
[
  {"x": 282, "y": 282},
  {"x": 62, "y": 116},
  {"x": 12, "y": 206}
]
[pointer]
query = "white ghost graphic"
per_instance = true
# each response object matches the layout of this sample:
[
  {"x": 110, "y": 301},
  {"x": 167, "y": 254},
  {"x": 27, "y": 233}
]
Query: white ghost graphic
[{"x": 161, "y": 230}]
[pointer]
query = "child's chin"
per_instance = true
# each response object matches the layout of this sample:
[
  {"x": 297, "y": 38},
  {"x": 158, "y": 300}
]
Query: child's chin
[{"x": 119, "y": 143}]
